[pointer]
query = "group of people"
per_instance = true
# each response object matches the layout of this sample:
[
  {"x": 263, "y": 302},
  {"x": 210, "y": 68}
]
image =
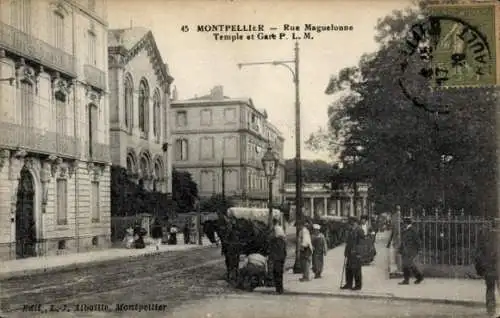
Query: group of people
[
  {"x": 134, "y": 235},
  {"x": 313, "y": 249},
  {"x": 257, "y": 266}
]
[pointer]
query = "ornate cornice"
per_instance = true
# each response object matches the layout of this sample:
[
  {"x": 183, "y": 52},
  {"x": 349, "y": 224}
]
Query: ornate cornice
[
  {"x": 92, "y": 95},
  {"x": 95, "y": 171},
  {"x": 25, "y": 73}
]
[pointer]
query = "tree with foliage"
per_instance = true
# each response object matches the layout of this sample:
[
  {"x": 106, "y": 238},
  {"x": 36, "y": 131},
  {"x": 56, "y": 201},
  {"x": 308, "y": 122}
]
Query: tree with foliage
[
  {"x": 314, "y": 171},
  {"x": 130, "y": 198},
  {"x": 216, "y": 203},
  {"x": 411, "y": 157},
  {"x": 184, "y": 191}
]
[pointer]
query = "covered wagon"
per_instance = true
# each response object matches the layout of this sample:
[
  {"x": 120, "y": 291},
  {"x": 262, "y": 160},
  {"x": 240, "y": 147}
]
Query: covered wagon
[{"x": 245, "y": 231}]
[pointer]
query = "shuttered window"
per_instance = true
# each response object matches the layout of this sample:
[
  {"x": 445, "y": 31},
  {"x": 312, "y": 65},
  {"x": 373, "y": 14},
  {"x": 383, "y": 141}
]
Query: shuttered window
[
  {"x": 58, "y": 30},
  {"x": 62, "y": 201},
  {"x": 95, "y": 202},
  {"x": 26, "y": 98}
]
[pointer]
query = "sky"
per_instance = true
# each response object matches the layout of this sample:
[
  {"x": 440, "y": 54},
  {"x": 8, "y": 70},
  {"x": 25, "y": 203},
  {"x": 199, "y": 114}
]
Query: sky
[{"x": 198, "y": 62}]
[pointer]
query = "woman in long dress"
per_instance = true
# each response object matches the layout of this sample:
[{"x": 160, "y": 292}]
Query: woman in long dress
[{"x": 319, "y": 250}]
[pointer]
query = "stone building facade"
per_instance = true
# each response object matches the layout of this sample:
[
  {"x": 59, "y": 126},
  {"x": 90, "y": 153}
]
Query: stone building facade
[
  {"x": 54, "y": 128},
  {"x": 217, "y": 137},
  {"x": 139, "y": 83}
]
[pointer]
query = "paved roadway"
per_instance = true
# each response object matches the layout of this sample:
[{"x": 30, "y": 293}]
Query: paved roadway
[
  {"x": 186, "y": 284},
  {"x": 254, "y": 305},
  {"x": 167, "y": 278}
]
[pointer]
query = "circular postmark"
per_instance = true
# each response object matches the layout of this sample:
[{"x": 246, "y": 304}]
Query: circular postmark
[{"x": 443, "y": 52}]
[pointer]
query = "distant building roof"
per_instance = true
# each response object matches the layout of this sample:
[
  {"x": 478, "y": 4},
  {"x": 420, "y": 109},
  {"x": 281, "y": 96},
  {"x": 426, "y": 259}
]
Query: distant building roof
[
  {"x": 129, "y": 42},
  {"x": 126, "y": 37}
]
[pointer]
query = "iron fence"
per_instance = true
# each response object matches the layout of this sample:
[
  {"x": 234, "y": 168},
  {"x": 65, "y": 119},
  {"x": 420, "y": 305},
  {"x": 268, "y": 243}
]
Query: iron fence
[{"x": 449, "y": 240}]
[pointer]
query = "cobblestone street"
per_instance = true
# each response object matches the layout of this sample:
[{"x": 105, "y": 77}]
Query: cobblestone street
[{"x": 169, "y": 279}]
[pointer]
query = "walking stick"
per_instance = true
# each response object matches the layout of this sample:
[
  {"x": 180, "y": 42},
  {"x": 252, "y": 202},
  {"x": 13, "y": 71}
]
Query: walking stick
[{"x": 343, "y": 270}]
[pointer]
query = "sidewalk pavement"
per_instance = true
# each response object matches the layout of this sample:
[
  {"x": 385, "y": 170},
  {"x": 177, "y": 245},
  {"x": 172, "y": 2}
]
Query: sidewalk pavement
[
  {"x": 376, "y": 282},
  {"x": 56, "y": 263}
]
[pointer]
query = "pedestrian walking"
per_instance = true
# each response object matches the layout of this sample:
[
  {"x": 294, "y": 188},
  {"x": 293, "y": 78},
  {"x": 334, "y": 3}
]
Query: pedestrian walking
[
  {"x": 139, "y": 234},
  {"x": 157, "y": 233},
  {"x": 365, "y": 226},
  {"x": 187, "y": 231},
  {"x": 368, "y": 251},
  {"x": 409, "y": 248},
  {"x": 277, "y": 254},
  {"x": 306, "y": 250},
  {"x": 353, "y": 263},
  {"x": 277, "y": 228},
  {"x": 319, "y": 250},
  {"x": 172, "y": 240},
  {"x": 486, "y": 260},
  {"x": 129, "y": 237}
]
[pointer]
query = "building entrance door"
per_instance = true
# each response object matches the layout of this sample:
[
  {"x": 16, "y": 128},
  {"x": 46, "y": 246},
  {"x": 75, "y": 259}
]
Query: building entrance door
[{"x": 25, "y": 216}]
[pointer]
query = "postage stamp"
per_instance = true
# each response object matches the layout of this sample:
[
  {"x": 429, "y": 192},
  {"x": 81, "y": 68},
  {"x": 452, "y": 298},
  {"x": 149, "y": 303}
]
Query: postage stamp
[{"x": 465, "y": 51}]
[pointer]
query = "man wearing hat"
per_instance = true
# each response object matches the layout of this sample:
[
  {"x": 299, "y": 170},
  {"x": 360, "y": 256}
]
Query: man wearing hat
[
  {"x": 352, "y": 254},
  {"x": 306, "y": 250},
  {"x": 277, "y": 255},
  {"x": 319, "y": 250},
  {"x": 409, "y": 248}
]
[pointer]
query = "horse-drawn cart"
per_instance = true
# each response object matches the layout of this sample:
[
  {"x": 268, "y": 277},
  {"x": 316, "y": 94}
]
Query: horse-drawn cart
[{"x": 245, "y": 231}]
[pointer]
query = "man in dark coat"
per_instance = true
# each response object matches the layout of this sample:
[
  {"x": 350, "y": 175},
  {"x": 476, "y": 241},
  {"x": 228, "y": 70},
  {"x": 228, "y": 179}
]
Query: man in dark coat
[
  {"x": 187, "y": 232},
  {"x": 277, "y": 254},
  {"x": 486, "y": 260},
  {"x": 353, "y": 263},
  {"x": 157, "y": 233},
  {"x": 409, "y": 248}
]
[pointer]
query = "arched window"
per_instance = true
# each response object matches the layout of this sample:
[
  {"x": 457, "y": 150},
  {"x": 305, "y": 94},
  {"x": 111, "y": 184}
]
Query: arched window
[
  {"x": 158, "y": 169},
  {"x": 144, "y": 167},
  {"x": 130, "y": 164},
  {"x": 129, "y": 102},
  {"x": 143, "y": 107},
  {"x": 158, "y": 175},
  {"x": 157, "y": 116}
]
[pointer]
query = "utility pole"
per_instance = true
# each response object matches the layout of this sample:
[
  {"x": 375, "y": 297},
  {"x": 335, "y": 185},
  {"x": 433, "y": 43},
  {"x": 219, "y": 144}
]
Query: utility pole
[
  {"x": 200, "y": 223},
  {"x": 298, "y": 164},
  {"x": 223, "y": 174}
]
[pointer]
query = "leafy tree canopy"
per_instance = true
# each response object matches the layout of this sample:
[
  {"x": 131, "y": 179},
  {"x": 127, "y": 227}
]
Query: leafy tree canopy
[
  {"x": 184, "y": 191},
  {"x": 410, "y": 156},
  {"x": 314, "y": 171},
  {"x": 216, "y": 203}
]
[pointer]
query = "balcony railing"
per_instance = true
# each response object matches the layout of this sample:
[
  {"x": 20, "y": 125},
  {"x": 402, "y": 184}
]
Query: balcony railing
[
  {"x": 94, "y": 76},
  {"x": 27, "y": 46},
  {"x": 37, "y": 140}
]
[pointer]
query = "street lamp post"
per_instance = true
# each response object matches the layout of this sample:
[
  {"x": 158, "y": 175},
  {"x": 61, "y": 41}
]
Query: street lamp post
[
  {"x": 298, "y": 164},
  {"x": 270, "y": 163}
]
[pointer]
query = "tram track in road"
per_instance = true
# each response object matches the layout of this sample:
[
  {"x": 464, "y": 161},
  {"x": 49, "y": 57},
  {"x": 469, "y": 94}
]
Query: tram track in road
[
  {"x": 173, "y": 277},
  {"x": 56, "y": 287}
]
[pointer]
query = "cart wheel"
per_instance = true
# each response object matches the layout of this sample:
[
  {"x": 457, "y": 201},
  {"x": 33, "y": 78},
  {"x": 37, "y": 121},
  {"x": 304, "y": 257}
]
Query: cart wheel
[{"x": 248, "y": 285}]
